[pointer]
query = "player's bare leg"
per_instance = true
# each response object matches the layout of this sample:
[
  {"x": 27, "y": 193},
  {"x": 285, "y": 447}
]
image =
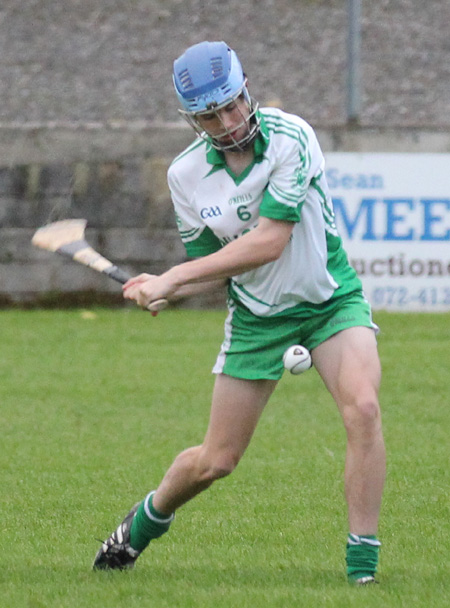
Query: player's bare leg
[
  {"x": 349, "y": 366},
  {"x": 236, "y": 408}
]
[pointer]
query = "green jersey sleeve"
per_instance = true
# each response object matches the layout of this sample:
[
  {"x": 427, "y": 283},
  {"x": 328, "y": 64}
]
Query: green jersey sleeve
[
  {"x": 204, "y": 244},
  {"x": 271, "y": 208}
]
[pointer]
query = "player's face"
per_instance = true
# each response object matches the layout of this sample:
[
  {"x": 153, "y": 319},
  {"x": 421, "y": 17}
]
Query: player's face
[{"x": 227, "y": 125}]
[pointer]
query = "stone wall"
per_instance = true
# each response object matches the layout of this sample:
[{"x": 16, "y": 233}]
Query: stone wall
[
  {"x": 123, "y": 196},
  {"x": 97, "y": 60}
]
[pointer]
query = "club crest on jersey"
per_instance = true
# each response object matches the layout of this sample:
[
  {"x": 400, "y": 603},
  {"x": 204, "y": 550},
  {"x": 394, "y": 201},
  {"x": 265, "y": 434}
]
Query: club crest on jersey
[{"x": 210, "y": 212}]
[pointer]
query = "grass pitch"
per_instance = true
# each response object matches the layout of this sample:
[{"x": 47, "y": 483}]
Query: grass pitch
[{"x": 96, "y": 404}]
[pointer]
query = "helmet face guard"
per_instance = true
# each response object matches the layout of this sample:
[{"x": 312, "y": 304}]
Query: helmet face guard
[
  {"x": 208, "y": 77},
  {"x": 226, "y": 140}
]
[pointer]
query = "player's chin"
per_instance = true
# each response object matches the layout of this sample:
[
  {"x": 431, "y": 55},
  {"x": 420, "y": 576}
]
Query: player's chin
[
  {"x": 232, "y": 142},
  {"x": 225, "y": 140}
]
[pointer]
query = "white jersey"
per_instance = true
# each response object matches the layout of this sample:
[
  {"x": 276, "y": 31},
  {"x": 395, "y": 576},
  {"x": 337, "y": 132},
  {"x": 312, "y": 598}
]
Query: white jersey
[{"x": 286, "y": 181}]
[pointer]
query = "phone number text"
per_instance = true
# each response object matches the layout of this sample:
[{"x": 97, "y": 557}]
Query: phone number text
[{"x": 402, "y": 296}]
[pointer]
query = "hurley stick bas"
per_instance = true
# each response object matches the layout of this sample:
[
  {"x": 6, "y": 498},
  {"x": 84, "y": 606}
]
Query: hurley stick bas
[{"x": 67, "y": 238}]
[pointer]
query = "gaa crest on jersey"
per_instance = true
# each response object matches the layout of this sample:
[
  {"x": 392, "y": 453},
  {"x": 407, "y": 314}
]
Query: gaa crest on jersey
[{"x": 210, "y": 212}]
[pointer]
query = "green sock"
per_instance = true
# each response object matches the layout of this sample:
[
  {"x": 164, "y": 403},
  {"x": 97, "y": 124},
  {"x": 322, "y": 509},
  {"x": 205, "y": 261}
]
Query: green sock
[
  {"x": 148, "y": 523},
  {"x": 362, "y": 555}
]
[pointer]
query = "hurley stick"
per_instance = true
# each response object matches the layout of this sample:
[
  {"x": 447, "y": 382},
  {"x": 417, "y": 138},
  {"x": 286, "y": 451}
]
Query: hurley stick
[{"x": 67, "y": 238}]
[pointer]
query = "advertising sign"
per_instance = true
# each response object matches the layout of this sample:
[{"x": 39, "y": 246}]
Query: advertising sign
[{"x": 393, "y": 213}]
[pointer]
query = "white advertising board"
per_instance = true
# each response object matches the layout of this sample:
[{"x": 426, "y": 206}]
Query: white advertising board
[{"x": 393, "y": 213}]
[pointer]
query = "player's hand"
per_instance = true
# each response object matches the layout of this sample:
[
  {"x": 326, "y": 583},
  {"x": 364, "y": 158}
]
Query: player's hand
[
  {"x": 140, "y": 278},
  {"x": 146, "y": 289}
]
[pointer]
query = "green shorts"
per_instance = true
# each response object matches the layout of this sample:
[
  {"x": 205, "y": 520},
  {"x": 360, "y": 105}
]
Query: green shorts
[{"x": 253, "y": 347}]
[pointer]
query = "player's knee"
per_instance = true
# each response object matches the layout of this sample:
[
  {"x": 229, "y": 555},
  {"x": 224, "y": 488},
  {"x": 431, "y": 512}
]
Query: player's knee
[
  {"x": 217, "y": 466},
  {"x": 362, "y": 417}
]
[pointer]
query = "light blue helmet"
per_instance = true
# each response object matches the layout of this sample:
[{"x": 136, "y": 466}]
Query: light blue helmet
[{"x": 208, "y": 76}]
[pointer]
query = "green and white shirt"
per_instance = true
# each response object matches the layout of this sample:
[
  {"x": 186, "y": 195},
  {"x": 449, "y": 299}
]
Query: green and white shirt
[{"x": 286, "y": 181}]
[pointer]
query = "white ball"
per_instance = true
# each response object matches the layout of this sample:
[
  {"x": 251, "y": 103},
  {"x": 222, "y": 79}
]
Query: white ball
[{"x": 297, "y": 359}]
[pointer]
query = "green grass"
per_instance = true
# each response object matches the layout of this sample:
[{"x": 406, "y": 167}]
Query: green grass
[{"x": 93, "y": 411}]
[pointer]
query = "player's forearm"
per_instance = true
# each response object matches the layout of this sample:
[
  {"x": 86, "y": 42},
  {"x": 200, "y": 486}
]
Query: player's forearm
[
  {"x": 262, "y": 245},
  {"x": 194, "y": 289},
  {"x": 212, "y": 268}
]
